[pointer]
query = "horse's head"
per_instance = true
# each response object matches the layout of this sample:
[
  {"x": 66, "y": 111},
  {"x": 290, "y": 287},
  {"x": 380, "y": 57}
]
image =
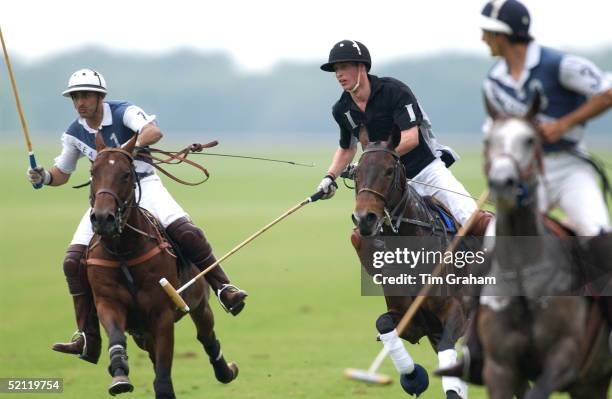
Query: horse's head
[
  {"x": 380, "y": 181},
  {"x": 513, "y": 156},
  {"x": 112, "y": 187}
]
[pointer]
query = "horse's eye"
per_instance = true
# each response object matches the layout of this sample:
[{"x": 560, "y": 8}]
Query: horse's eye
[
  {"x": 530, "y": 142},
  {"x": 389, "y": 172},
  {"x": 126, "y": 176}
]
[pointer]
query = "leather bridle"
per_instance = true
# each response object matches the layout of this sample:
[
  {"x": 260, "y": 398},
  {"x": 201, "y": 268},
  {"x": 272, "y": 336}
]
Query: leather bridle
[{"x": 123, "y": 206}]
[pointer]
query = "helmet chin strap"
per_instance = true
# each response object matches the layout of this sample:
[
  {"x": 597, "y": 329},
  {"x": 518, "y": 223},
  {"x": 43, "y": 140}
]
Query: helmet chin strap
[
  {"x": 357, "y": 85},
  {"x": 354, "y": 89}
]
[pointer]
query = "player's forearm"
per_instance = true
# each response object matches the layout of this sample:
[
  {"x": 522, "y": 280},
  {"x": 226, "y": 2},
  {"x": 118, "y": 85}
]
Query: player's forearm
[
  {"x": 342, "y": 158},
  {"x": 409, "y": 140},
  {"x": 58, "y": 177},
  {"x": 149, "y": 134},
  {"x": 593, "y": 107}
]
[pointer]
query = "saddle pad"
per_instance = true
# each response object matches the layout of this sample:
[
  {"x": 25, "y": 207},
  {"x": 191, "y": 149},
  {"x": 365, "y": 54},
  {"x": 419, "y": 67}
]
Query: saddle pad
[{"x": 449, "y": 221}]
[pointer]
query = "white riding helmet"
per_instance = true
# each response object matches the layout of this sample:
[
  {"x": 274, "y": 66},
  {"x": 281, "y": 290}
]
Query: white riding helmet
[{"x": 85, "y": 80}]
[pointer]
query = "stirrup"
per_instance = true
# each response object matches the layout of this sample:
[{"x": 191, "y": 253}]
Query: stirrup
[
  {"x": 78, "y": 334},
  {"x": 220, "y": 291}
]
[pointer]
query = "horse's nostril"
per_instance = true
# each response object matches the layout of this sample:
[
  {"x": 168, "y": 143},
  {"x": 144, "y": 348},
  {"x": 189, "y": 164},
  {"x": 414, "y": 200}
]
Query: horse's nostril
[
  {"x": 110, "y": 218},
  {"x": 371, "y": 217},
  {"x": 510, "y": 182}
]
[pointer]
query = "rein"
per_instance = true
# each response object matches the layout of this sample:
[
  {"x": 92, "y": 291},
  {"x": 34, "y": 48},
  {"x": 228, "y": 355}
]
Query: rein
[
  {"x": 176, "y": 158},
  {"x": 171, "y": 158}
]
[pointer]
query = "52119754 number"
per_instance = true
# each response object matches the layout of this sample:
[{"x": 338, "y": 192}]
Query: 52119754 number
[{"x": 39, "y": 385}]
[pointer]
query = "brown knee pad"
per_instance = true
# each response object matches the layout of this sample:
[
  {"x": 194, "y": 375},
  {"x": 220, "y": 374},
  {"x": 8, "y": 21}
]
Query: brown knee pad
[
  {"x": 192, "y": 242},
  {"x": 74, "y": 271}
]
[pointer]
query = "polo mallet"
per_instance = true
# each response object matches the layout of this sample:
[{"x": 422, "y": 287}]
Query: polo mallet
[
  {"x": 370, "y": 375},
  {"x": 174, "y": 293},
  {"x": 24, "y": 125}
]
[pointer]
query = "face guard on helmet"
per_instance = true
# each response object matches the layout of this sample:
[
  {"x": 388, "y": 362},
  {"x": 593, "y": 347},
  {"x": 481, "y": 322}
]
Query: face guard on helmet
[
  {"x": 85, "y": 80},
  {"x": 348, "y": 51}
]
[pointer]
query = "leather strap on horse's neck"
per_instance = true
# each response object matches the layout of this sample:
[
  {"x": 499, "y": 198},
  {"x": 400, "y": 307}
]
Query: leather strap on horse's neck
[
  {"x": 132, "y": 262},
  {"x": 162, "y": 244}
]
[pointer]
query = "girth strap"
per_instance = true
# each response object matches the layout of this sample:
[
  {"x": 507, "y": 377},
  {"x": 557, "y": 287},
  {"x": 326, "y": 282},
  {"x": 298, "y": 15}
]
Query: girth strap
[{"x": 135, "y": 261}]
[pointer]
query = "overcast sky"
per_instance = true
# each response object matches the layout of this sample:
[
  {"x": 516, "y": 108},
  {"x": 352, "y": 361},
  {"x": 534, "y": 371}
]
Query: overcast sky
[{"x": 260, "y": 33}]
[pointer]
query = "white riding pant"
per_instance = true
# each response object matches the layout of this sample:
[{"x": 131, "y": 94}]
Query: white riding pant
[
  {"x": 155, "y": 199},
  {"x": 437, "y": 174},
  {"x": 572, "y": 184}
]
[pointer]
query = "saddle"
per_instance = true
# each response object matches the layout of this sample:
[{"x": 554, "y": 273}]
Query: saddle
[
  {"x": 558, "y": 228},
  {"x": 452, "y": 226}
]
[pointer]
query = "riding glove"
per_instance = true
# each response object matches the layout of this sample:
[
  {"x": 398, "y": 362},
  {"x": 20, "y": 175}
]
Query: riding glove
[
  {"x": 38, "y": 175},
  {"x": 328, "y": 186}
]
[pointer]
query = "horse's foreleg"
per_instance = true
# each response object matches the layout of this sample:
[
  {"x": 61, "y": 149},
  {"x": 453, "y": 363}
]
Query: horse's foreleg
[
  {"x": 447, "y": 355},
  {"x": 163, "y": 336},
  {"x": 413, "y": 377},
  {"x": 203, "y": 319},
  {"x": 113, "y": 318},
  {"x": 559, "y": 370},
  {"x": 500, "y": 379}
]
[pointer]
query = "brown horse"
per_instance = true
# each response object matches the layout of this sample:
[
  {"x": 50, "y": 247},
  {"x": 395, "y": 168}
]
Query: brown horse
[
  {"x": 125, "y": 260},
  {"x": 386, "y": 206},
  {"x": 530, "y": 326}
]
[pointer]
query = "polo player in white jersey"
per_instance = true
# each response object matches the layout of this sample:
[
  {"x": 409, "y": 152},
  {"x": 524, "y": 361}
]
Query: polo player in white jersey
[
  {"x": 573, "y": 90},
  {"x": 117, "y": 122}
]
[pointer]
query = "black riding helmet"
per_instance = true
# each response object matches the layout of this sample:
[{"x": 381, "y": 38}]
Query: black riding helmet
[{"x": 348, "y": 51}]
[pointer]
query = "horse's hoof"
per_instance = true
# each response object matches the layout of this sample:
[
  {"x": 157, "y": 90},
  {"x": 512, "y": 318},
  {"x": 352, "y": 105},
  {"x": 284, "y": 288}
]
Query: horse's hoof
[
  {"x": 416, "y": 382},
  {"x": 452, "y": 395},
  {"x": 234, "y": 367},
  {"x": 226, "y": 372},
  {"x": 120, "y": 384}
]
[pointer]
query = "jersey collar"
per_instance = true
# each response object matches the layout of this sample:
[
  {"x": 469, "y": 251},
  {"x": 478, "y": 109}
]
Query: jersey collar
[
  {"x": 107, "y": 118},
  {"x": 532, "y": 59},
  {"x": 375, "y": 87}
]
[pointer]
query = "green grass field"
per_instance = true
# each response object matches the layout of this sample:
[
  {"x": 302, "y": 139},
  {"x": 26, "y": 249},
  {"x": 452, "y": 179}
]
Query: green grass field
[{"x": 305, "y": 320}]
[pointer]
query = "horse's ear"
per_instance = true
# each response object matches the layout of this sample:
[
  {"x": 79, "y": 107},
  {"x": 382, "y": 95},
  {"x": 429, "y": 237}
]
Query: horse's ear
[
  {"x": 100, "y": 145},
  {"x": 491, "y": 111},
  {"x": 394, "y": 138},
  {"x": 130, "y": 144},
  {"x": 534, "y": 106}
]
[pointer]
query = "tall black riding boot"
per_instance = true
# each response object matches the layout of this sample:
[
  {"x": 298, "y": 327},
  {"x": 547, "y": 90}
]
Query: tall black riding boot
[
  {"x": 196, "y": 248},
  {"x": 86, "y": 342}
]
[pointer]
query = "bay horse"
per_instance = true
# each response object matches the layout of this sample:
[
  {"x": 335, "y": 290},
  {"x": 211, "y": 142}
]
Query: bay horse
[
  {"x": 126, "y": 258},
  {"x": 533, "y": 324},
  {"x": 387, "y": 206}
]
